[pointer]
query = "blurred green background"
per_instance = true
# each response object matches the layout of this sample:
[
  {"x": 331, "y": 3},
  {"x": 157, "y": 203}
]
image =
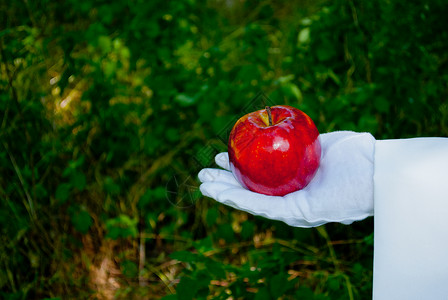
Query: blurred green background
[{"x": 108, "y": 110}]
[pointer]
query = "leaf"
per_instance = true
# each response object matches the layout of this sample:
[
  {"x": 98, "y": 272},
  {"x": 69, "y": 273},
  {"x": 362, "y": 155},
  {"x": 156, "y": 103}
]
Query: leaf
[
  {"x": 226, "y": 232},
  {"x": 109, "y": 68},
  {"x": 215, "y": 269},
  {"x": 333, "y": 76},
  {"x": 184, "y": 100},
  {"x": 145, "y": 199},
  {"x": 204, "y": 244},
  {"x": 105, "y": 44},
  {"x": 186, "y": 256},
  {"x": 63, "y": 192},
  {"x": 73, "y": 165},
  {"x": 369, "y": 239},
  {"x": 304, "y": 292},
  {"x": 78, "y": 180},
  {"x": 159, "y": 192},
  {"x": 292, "y": 90},
  {"x": 262, "y": 294},
  {"x": 110, "y": 186},
  {"x": 121, "y": 227},
  {"x": 40, "y": 191},
  {"x": 278, "y": 285},
  {"x": 130, "y": 269},
  {"x": 187, "y": 288},
  {"x": 333, "y": 284},
  {"x": 285, "y": 79},
  {"x": 303, "y": 37},
  {"x": 81, "y": 220}
]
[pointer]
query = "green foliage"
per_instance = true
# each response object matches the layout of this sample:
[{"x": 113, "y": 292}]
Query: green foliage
[
  {"x": 121, "y": 227},
  {"x": 109, "y": 110},
  {"x": 80, "y": 218}
]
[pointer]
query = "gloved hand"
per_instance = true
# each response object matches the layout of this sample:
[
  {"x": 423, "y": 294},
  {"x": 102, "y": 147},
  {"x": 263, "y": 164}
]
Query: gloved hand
[{"x": 341, "y": 191}]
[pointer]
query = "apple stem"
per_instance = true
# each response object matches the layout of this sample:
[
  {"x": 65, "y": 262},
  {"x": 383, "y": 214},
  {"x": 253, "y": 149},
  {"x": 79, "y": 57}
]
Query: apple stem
[{"x": 268, "y": 109}]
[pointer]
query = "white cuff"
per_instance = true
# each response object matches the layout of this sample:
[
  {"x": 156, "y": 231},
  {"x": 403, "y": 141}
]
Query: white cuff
[{"x": 411, "y": 219}]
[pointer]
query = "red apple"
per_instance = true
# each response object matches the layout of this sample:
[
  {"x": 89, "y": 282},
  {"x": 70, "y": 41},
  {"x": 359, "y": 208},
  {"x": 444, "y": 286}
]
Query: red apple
[{"x": 274, "y": 151}]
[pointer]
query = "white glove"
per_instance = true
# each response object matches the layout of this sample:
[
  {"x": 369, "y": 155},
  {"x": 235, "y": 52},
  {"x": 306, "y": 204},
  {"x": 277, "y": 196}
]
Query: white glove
[{"x": 341, "y": 191}]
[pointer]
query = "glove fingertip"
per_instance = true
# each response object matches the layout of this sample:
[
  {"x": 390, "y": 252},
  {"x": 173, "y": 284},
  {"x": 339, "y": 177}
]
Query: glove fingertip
[
  {"x": 201, "y": 175},
  {"x": 222, "y": 160},
  {"x": 208, "y": 174},
  {"x": 206, "y": 190}
]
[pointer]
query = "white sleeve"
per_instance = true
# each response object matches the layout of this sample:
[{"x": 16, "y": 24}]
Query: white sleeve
[{"x": 411, "y": 219}]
